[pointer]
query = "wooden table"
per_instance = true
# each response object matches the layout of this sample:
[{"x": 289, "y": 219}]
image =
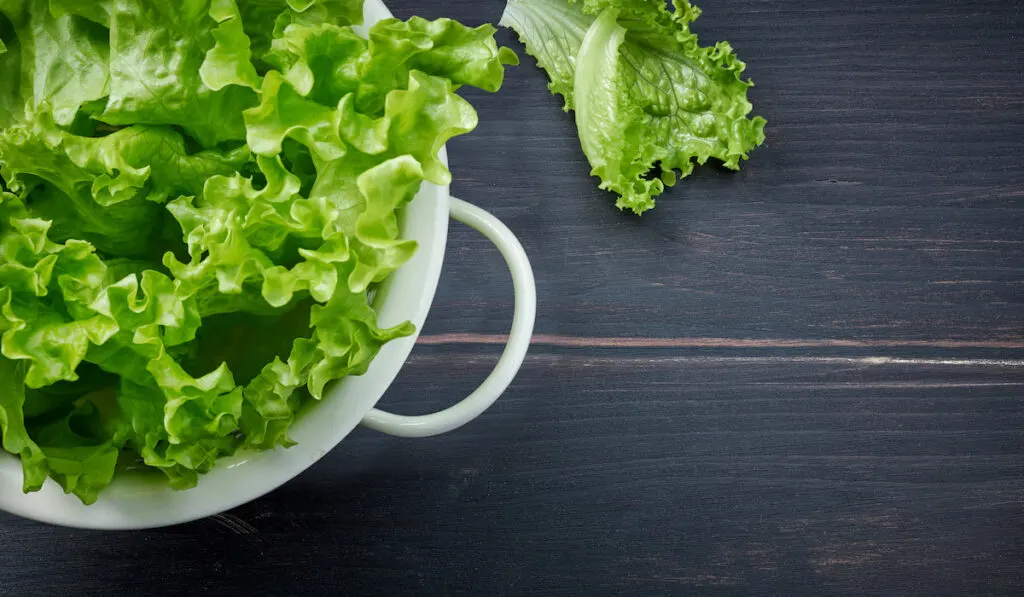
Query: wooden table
[{"x": 805, "y": 378}]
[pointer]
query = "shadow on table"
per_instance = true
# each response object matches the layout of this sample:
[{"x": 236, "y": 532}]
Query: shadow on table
[{"x": 402, "y": 533}]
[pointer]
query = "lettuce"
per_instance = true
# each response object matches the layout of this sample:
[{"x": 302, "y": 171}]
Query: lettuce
[
  {"x": 196, "y": 199},
  {"x": 650, "y": 101}
]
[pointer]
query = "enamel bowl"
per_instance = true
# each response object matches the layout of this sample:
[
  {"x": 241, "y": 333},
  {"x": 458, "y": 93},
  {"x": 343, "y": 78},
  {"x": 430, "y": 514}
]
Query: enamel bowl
[{"x": 144, "y": 501}]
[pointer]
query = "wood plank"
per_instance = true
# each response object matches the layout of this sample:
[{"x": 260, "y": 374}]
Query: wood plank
[{"x": 597, "y": 475}]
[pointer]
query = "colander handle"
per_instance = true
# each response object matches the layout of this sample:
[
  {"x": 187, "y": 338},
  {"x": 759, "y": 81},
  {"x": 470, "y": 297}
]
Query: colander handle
[{"x": 511, "y": 359}]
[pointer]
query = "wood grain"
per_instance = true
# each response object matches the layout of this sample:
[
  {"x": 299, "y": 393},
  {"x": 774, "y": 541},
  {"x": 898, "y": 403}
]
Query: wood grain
[
  {"x": 804, "y": 378},
  {"x": 608, "y": 474},
  {"x": 635, "y": 342}
]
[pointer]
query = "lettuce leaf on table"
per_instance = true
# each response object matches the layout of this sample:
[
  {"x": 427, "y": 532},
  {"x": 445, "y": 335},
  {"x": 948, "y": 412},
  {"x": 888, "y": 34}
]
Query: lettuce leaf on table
[
  {"x": 647, "y": 95},
  {"x": 195, "y": 200}
]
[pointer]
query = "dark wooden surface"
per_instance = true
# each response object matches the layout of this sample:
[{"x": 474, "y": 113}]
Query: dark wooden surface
[{"x": 806, "y": 378}]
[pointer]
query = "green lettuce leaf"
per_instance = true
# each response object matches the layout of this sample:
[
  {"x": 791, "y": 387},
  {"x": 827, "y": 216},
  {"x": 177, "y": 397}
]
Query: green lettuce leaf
[
  {"x": 74, "y": 449},
  {"x": 204, "y": 404},
  {"x": 69, "y": 56},
  {"x": 38, "y": 331},
  {"x": 12, "y": 107},
  {"x": 443, "y": 48},
  {"x": 346, "y": 338},
  {"x": 552, "y": 31},
  {"x": 50, "y": 61},
  {"x": 229, "y": 61},
  {"x": 12, "y": 424},
  {"x": 80, "y": 453},
  {"x": 195, "y": 201},
  {"x": 326, "y": 63},
  {"x": 265, "y": 20},
  {"x": 97, "y": 11},
  {"x": 106, "y": 189},
  {"x": 157, "y": 53},
  {"x": 284, "y": 112},
  {"x": 647, "y": 95},
  {"x": 344, "y": 342}
]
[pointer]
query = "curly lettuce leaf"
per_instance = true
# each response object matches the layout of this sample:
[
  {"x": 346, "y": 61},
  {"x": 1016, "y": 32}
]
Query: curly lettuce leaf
[
  {"x": 38, "y": 331},
  {"x": 647, "y": 95},
  {"x": 97, "y": 11},
  {"x": 284, "y": 112},
  {"x": 346, "y": 338},
  {"x": 62, "y": 61},
  {"x": 265, "y": 20},
  {"x": 69, "y": 56},
  {"x": 189, "y": 230},
  {"x": 157, "y": 51},
  {"x": 74, "y": 449},
  {"x": 442, "y": 48},
  {"x": 325, "y": 63},
  {"x": 344, "y": 342},
  {"x": 204, "y": 405},
  {"x": 106, "y": 190},
  {"x": 176, "y": 422},
  {"x": 237, "y": 235},
  {"x": 229, "y": 61},
  {"x": 12, "y": 107},
  {"x": 81, "y": 456},
  {"x": 552, "y": 31},
  {"x": 15, "y": 438}
]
